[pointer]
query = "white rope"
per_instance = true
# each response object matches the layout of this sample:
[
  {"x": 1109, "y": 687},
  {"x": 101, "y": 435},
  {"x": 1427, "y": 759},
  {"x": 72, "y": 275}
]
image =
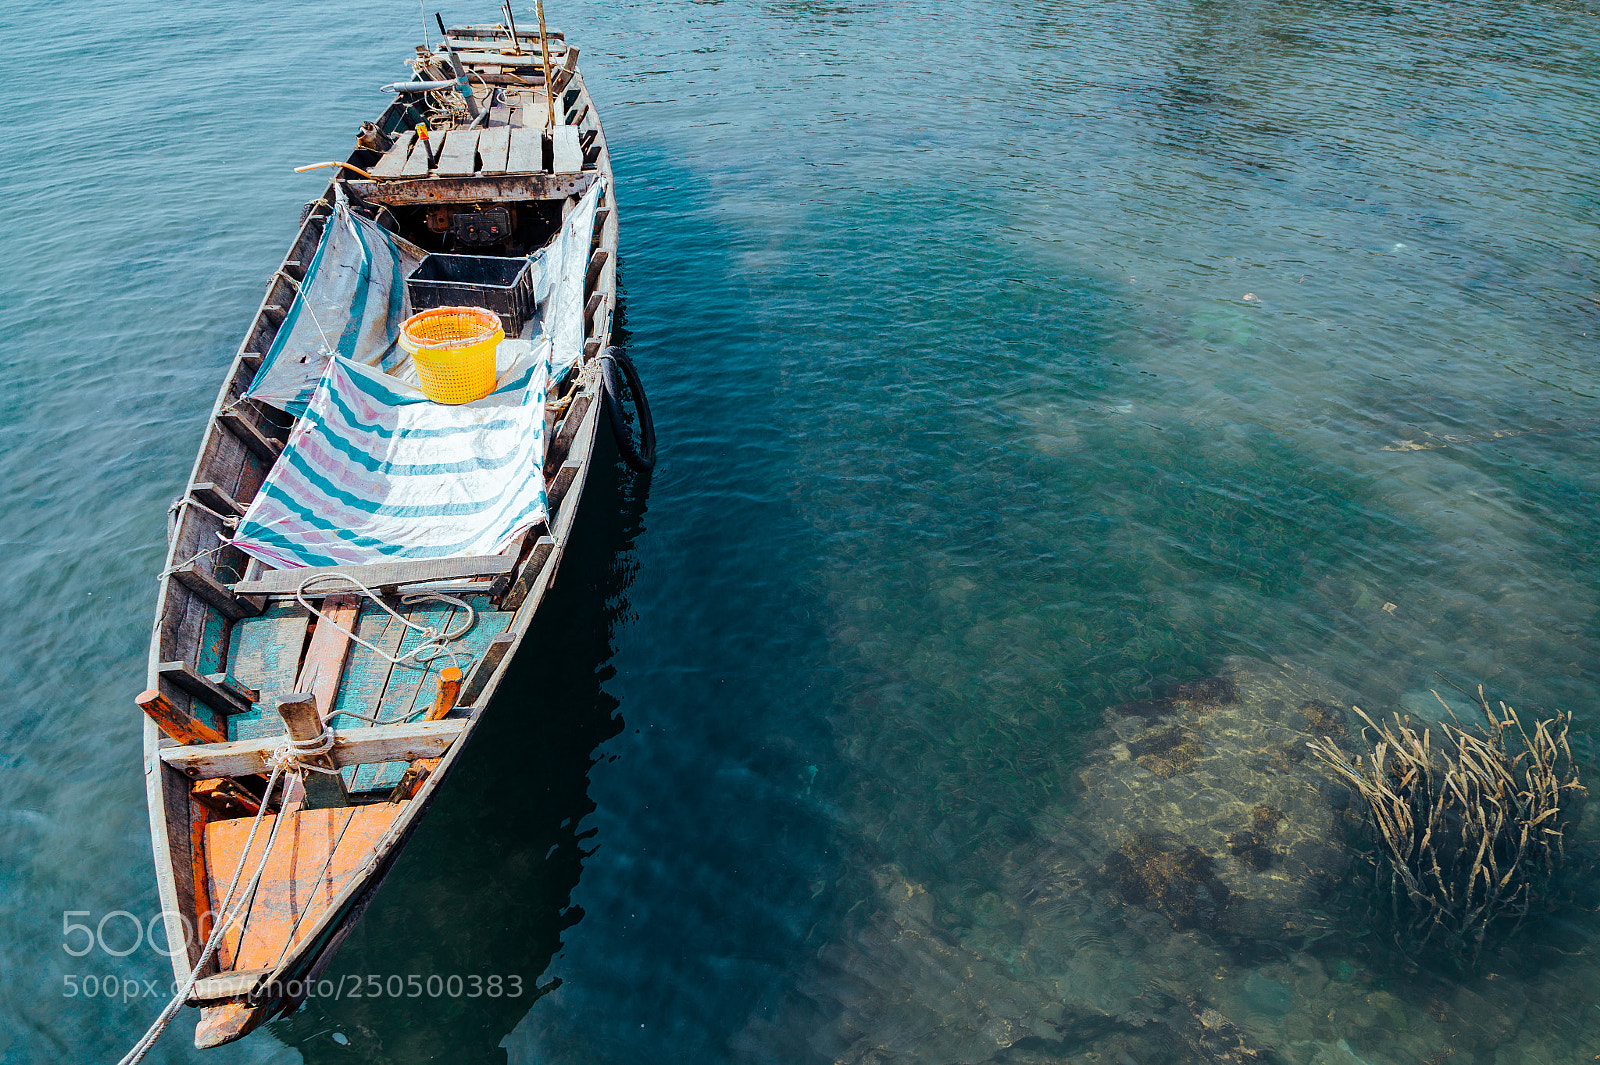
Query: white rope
[
  {"x": 143, "y": 1046},
  {"x": 291, "y": 754},
  {"x": 434, "y": 642},
  {"x": 176, "y": 566},
  {"x": 289, "y": 761}
]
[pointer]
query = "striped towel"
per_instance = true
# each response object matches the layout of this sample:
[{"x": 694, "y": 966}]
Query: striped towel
[{"x": 375, "y": 472}]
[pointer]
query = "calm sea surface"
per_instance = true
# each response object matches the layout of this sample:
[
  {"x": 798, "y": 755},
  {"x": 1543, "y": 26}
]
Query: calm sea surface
[{"x": 1011, "y": 362}]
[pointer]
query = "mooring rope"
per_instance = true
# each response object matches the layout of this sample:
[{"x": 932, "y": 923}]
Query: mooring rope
[{"x": 289, "y": 762}]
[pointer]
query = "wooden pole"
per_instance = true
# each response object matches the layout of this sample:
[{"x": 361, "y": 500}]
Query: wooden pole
[
  {"x": 444, "y": 700},
  {"x": 511, "y": 21},
  {"x": 549, "y": 87},
  {"x": 304, "y": 722}
]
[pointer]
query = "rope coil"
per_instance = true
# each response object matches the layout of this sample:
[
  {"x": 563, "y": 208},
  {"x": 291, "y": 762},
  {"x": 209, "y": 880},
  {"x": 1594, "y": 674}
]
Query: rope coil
[
  {"x": 435, "y": 641},
  {"x": 291, "y": 755}
]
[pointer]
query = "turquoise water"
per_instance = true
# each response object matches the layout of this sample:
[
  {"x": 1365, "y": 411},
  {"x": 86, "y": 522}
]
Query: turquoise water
[{"x": 1011, "y": 362}]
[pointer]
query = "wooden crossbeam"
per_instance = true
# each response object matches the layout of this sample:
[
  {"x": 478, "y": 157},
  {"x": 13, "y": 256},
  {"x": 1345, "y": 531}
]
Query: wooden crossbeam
[
  {"x": 377, "y": 575},
  {"x": 265, "y": 447},
  {"x": 214, "y": 695},
  {"x": 216, "y": 594},
  {"x": 213, "y": 497},
  {"x": 513, "y": 598},
  {"x": 490, "y": 189},
  {"x": 596, "y": 263},
  {"x": 357, "y": 746},
  {"x": 501, "y": 644},
  {"x": 180, "y": 726}
]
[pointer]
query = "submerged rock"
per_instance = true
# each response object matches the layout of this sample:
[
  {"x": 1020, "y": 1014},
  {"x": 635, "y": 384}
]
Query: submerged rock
[{"x": 1221, "y": 766}]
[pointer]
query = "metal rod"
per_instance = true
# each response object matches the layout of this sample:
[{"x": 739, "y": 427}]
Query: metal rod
[{"x": 461, "y": 71}]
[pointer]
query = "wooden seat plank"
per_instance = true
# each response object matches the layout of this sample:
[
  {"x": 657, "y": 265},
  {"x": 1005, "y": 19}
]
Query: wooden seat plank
[
  {"x": 565, "y": 155},
  {"x": 526, "y": 154},
  {"x": 377, "y": 575},
  {"x": 359, "y": 746},
  {"x": 394, "y": 160},
  {"x": 460, "y": 155},
  {"x": 417, "y": 162},
  {"x": 493, "y": 148}
]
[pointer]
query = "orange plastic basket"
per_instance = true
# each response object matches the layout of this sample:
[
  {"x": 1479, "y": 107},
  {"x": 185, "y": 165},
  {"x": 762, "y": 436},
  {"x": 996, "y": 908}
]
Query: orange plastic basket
[{"x": 453, "y": 348}]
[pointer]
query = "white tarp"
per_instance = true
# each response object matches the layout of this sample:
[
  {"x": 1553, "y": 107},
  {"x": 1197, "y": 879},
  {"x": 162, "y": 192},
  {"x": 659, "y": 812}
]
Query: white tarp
[
  {"x": 374, "y": 471},
  {"x": 351, "y": 303},
  {"x": 558, "y": 284}
]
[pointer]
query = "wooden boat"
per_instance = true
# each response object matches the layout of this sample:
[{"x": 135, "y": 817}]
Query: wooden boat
[{"x": 237, "y": 659}]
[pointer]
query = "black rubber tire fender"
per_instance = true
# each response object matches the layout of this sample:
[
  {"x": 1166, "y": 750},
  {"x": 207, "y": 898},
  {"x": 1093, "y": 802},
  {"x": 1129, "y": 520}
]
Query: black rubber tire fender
[{"x": 640, "y": 458}]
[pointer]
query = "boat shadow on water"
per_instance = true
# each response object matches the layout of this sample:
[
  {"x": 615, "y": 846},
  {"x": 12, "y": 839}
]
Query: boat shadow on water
[{"x": 480, "y": 899}]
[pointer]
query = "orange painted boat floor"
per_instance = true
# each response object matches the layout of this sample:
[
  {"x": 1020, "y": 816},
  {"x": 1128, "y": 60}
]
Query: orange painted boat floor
[{"x": 299, "y": 881}]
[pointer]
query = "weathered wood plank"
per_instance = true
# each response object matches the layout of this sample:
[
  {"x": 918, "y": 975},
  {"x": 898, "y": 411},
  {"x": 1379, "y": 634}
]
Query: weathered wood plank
[
  {"x": 323, "y": 664},
  {"x": 174, "y": 722},
  {"x": 217, "y": 594},
  {"x": 526, "y": 150},
  {"x": 519, "y": 591},
  {"x": 394, "y": 160},
  {"x": 502, "y": 188},
  {"x": 212, "y": 650},
  {"x": 360, "y": 746},
  {"x": 562, "y": 444},
  {"x": 562, "y": 483},
  {"x": 265, "y": 654},
  {"x": 199, "y": 687},
  {"x": 556, "y": 38},
  {"x": 264, "y": 447},
  {"x": 213, "y": 497},
  {"x": 460, "y": 155},
  {"x": 417, "y": 162},
  {"x": 366, "y": 672},
  {"x": 597, "y": 263},
  {"x": 510, "y": 62},
  {"x": 377, "y": 575},
  {"x": 494, "y": 147},
  {"x": 496, "y": 651},
  {"x": 565, "y": 155},
  {"x": 318, "y": 853},
  {"x": 229, "y": 682},
  {"x": 404, "y": 686},
  {"x": 228, "y": 985}
]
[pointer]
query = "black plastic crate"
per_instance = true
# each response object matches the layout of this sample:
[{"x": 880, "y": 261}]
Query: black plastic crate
[{"x": 504, "y": 286}]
